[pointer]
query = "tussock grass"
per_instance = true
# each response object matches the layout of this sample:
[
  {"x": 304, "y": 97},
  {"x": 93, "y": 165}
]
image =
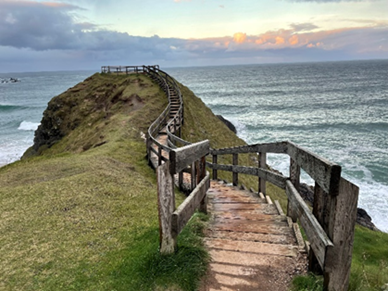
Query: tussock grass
[{"x": 82, "y": 214}]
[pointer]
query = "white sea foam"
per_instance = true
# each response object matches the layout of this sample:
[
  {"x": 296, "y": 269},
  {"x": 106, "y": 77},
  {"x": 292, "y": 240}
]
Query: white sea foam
[
  {"x": 240, "y": 127},
  {"x": 28, "y": 126},
  {"x": 12, "y": 150}
]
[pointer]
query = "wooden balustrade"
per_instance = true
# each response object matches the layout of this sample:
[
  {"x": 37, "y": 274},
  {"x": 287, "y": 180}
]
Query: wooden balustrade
[{"x": 330, "y": 225}]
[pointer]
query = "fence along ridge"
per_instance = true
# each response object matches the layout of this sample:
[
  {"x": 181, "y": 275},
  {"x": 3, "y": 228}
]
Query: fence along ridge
[{"x": 329, "y": 226}]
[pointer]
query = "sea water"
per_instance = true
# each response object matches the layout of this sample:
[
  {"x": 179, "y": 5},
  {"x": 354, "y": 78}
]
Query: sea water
[
  {"x": 338, "y": 110},
  {"x": 22, "y": 104}
]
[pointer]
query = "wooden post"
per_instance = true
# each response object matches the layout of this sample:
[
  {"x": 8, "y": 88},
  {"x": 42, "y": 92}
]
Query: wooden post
[
  {"x": 202, "y": 175},
  {"x": 295, "y": 180},
  {"x": 235, "y": 174},
  {"x": 148, "y": 145},
  {"x": 159, "y": 155},
  {"x": 343, "y": 214},
  {"x": 215, "y": 170},
  {"x": 318, "y": 211},
  {"x": 198, "y": 172},
  {"x": 166, "y": 206},
  {"x": 193, "y": 180},
  {"x": 295, "y": 174},
  {"x": 180, "y": 180},
  {"x": 262, "y": 165}
]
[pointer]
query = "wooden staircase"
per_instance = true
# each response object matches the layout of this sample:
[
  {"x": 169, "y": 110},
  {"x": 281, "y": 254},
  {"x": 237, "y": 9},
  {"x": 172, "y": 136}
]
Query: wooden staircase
[{"x": 253, "y": 245}]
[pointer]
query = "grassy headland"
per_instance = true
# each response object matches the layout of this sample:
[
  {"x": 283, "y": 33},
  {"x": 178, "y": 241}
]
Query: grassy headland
[{"x": 79, "y": 211}]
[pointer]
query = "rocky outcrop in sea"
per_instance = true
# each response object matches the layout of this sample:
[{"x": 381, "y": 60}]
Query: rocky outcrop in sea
[{"x": 9, "y": 80}]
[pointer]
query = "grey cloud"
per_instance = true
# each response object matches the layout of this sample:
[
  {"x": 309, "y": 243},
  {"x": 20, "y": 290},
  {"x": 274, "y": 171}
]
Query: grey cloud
[
  {"x": 303, "y": 26},
  {"x": 43, "y": 27},
  {"x": 38, "y": 26}
]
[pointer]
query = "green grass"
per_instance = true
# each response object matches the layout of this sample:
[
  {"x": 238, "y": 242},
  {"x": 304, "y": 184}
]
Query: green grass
[
  {"x": 81, "y": 214},
  {"x": 369, "y": 269}
]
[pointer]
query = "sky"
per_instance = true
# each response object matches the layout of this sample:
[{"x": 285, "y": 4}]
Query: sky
[{"x": 85, "y": 34}]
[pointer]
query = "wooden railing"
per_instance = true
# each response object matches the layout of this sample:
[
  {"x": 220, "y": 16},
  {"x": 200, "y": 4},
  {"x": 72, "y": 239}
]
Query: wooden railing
[
  {"x": 329, "y": 227},
  {"x": 175, "y": 161},
  {"x": 125, "y": 69},
  {"x": 171, "y": 160}
]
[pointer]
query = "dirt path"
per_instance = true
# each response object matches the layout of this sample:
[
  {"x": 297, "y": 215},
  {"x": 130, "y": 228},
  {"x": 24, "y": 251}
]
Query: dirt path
[{"x": 251, "y": 245}]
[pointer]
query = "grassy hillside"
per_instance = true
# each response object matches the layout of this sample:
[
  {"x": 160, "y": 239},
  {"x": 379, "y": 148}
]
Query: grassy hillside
[{"x": 79, "y": 211}]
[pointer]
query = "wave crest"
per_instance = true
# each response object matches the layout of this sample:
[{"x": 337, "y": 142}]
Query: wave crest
[{"x": 28, "y": 126}]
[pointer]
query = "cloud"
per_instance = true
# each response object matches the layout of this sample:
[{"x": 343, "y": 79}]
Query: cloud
[
  {"x": 67, "y": 43},
  {"x": 239, "y": 37},
  {"x": 39, "y": 26},
  {"x": 303, "y": 26}
]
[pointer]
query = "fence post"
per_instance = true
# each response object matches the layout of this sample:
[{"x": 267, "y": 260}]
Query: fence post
[
  {"x": 202, "y": 175},
  {"x": 318, "y": 209},
  {"x": 159, "y": 155},
  {"x": 166, "y": 207},
  {"x": 180, "y": 180},
  {"x": 262, "y": 165},
  {"x": 193, "y": 180},
  {"x": 295, "y": 180},
  {"x": 235, "y": 174},
  {"x": 215, "y": 170},
  {"x": 340, "y": 227}
]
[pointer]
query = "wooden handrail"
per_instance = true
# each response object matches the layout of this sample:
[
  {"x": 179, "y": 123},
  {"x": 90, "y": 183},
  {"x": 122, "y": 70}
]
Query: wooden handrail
[
  {"x": 191, "y": 156},
  {"x": 330, "y": 234},
  {"x": 330, "y": 224}
]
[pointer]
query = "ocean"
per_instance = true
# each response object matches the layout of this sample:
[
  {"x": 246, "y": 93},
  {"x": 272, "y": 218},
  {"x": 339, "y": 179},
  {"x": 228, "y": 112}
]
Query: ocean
[{"x": 338, "y": 110}]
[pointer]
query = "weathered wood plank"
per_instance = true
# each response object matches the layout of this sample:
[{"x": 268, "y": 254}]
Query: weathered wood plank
[
  {"x": 324, "y": 172},
  {"x": 339, "y": 258},
  {"x": 279, "y": 147},
  {"x": 166, "y": 206},
  {"x": 254, "y": 226},
  {"x": 184, "y": 156},
  {"x": 186, "y": 210},
  {"x": 234, "y": 199},
  {"x": 232, "y": 258},
  {"x": 252, "y": 247},
  {"x": 242, "y": 206},
  {"x": 222, "y": 218},
  {"x": 319, "y": 241},
  {"x": 283, "y": 238}
]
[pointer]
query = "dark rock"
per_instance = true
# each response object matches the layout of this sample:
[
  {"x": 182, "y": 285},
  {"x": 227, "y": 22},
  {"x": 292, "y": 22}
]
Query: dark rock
[
  {"x": 227, "y": 123},
  {"x": 307, "y": 193},
  {"x": 363, "y": 219}
]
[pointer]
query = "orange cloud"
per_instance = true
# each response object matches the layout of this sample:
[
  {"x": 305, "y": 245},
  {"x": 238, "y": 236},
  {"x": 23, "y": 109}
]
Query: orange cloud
[
  {"x": 239, "y": 37},
  {"x": 279, "y": 40},
  {"x": 293, "y": 40}
]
